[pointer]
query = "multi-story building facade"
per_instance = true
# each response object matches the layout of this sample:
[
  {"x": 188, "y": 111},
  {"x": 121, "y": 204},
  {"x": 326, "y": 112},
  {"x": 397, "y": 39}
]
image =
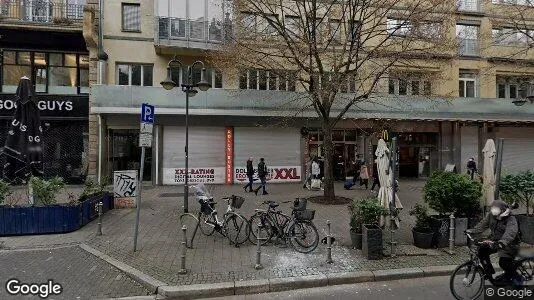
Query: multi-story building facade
[
  {"x": 244, "y": 112},
  {"x": 42, "y": 40}
]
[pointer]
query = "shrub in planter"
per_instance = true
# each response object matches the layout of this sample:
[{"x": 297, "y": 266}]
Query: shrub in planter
[
  {"x": 520, "y": 187},
  {"x": 422, "y": 233},
  {"x": 92, "y": 188},
  {"x": 355, "y": 232},
  {"x": 45, "y": 191},
  {"x": 367, "y": 214},
  {"x": 447, "y": 193}
]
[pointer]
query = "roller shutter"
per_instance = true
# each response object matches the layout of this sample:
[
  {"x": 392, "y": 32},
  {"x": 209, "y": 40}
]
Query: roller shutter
[
  {"x": 518, "y": 152},
  {"x": 469, "y": 146}
]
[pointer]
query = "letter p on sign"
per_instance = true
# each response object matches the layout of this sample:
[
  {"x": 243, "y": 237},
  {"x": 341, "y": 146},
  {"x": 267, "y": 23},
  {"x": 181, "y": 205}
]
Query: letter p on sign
[{"x": 147, "y": 113}]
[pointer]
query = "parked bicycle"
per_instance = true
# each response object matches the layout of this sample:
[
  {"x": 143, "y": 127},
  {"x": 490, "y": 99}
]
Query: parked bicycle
[
  {"x": 471, "y": 274},
  {"x": 233, "y": 226},
  {"x": 298, "y": 228}
]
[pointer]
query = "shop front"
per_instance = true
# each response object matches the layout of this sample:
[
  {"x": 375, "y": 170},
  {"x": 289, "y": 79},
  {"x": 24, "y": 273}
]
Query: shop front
[
  {"x": 418, "y": 154},
  {"x": 64, "y": 120}
]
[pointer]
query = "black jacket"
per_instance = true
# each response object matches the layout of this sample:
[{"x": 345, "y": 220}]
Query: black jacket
[
  {"x": 504, "y": 229},
  {"x": 250, "y": 168},
  {"x": 262, "y": 169}
]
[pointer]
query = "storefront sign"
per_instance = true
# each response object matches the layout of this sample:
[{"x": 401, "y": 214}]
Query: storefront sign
[
  {"x": 50, "y": 105},
  {"x": 276, "y": 174},
  {"x": 229, "y": 155},
  {"x": 196, "y": 175},
  {"x": 125, "y": 188}
]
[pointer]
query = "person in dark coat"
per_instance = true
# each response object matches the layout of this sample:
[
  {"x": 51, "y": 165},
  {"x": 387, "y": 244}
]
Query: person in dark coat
[
  {"x": 262, "y": 174},
  {"x": 376, "y": 179},
  {"x": 250, "y": 175},
  {"x": 504, "y": 239},
  {"x": 471, "y": 167}
]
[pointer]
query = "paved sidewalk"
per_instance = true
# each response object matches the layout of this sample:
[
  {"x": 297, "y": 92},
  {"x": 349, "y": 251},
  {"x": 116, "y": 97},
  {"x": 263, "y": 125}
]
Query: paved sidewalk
[{"x": 213, "y": 260}]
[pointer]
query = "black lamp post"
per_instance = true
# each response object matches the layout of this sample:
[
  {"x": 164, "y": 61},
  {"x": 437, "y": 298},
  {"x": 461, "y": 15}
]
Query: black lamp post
[{"x": 190, "y": 91}]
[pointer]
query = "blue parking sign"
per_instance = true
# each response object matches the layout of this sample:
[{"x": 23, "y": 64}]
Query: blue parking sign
[{"x": 147, "y": 113}]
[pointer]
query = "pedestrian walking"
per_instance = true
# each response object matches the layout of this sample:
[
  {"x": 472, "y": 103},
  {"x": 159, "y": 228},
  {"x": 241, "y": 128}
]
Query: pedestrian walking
[
  {"x": 262, "y": 174},
  {"x": 250, "y": 175},
  {"x": 316, "y": 173},
  {"x": 308, "y": 172},
  {"x": 364, "y": 176},
  {"x": 357, "y": 168},
  {"x": 376, "y": 179},
  {"x": 471, "y": 167}
]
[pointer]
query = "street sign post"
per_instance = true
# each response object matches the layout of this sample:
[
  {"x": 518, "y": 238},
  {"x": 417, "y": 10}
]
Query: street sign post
[{"x": 145, "y": 140}]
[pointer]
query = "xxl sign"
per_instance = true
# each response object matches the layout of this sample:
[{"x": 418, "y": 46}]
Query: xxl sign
[
  {"x": 50, "y": 106},
  {"x": 275, "y": 174}
]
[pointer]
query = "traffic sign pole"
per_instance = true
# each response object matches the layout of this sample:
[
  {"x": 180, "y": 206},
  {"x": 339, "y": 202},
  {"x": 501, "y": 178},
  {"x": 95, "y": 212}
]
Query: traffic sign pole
[{"x": 145, "y": 140}]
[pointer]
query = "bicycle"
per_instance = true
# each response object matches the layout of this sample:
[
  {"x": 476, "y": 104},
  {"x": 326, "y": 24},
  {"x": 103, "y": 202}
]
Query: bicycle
[
  {"x": 472, "y": 274},
  {"x": 297, "y": 228},
  {"x": 233, "y": 226}
]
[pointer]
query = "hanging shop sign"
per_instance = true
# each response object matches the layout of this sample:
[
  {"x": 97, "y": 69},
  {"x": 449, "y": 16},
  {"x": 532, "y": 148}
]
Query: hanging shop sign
[
  {"x": 229, "y": 143},
  {"x": 50, "y": 106},
  {"x": 276, "y": 174},
  {"x": 196, "y": 175}
]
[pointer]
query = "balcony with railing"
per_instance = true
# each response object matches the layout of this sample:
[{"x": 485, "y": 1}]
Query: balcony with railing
[
  {"x": 41, "y": 12},
  {"x": 468, "y": 47},
  {"x": 473, "y": 6},
  {"x": 187, "y": 33}
]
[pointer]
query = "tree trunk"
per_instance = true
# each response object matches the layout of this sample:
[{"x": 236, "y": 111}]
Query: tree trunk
[{"x": 328, "y": 147}]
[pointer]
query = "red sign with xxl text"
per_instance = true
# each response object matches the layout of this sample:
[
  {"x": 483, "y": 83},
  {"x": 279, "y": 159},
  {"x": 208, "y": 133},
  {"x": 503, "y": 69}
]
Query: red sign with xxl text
[
  {"x": 275, "y": 174},
  {"x": 229, "y": 157}
]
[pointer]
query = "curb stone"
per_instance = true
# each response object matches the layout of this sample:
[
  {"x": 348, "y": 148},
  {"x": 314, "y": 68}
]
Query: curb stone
[
  {"x": 252, "y": 286},
  {"x": 350, "y": 277},
  {"x": 301, "y": 282},
  {"x": 147, "y": 281},
  {"x": 197, "y": 290},
  {"x": 394, "y": 274}
]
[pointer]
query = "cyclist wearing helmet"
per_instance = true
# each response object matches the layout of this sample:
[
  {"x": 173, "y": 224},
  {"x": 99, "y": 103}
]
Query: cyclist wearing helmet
[{"x": 504, "y": 239}]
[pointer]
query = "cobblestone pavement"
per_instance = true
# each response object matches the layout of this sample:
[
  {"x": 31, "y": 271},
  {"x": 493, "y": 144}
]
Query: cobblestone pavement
[
  {"x": 82, "y": 275},
  {"x": 214, "y": 260}
]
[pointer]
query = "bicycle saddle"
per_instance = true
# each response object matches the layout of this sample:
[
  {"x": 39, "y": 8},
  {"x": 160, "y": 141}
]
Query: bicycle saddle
[{"x": 271, "y": 203}]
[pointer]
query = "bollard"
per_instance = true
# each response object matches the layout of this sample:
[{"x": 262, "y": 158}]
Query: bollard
[
  {"x": 258, "y": 265},
  {"x": 183, "y": 270},
  {"x": 451, "y": 235},
  {"x": 99, "y": 208},
  {"x": 329, "y": 244}
]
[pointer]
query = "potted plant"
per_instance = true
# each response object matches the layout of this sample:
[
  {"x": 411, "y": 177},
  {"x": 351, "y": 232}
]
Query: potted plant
[
  {"x": 422, "y": 233},
  {"x": 447, "y": 193},
  {"x": 520, "y": 187},
  {"x": 355, "y": 226},
  {"x": 367, "y": 214}
]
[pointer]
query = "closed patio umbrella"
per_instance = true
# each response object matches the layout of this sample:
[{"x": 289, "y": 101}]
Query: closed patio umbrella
[
  {"x": 385, "y": 175},
  {"x": 488, "y": 173},
  {"x": 23, "y": 148}
]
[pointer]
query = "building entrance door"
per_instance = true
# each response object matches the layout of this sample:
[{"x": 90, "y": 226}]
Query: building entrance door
[{"x": 124, "y": 152}]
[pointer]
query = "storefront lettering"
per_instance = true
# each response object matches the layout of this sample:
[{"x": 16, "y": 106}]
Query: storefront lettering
[
  {"x": 195, "y": 171},
  {"x": 286, "y": 173},
  {"x": 229, "y": 155},
  {"x": 195, "y": 175},
  {"x": 275, "y": 174},
  {"x": 55, "y": 105}
]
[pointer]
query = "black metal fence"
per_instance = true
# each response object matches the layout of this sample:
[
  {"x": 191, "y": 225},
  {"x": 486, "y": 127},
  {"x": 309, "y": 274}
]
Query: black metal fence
[{"x": 41, "y": 11}]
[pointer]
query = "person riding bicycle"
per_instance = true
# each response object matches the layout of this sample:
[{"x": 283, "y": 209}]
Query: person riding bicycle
[{"x": 504, "y": 239}]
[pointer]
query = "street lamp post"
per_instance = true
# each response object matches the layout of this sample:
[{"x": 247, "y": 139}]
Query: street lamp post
[{"x": 190, "y": 91}]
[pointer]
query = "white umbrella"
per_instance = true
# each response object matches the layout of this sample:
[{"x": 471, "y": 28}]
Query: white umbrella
[
  {"x": 488, "y": 175},
  {"x": 385, "y": 175}
]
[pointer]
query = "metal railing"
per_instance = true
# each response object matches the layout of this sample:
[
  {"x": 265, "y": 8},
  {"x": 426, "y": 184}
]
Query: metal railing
[
  {"x": 468, "y": 47},
  {"x": 215, "y": 31},
  {"x": 40, "y": 11},
  {"x": 469, "y": 5}
]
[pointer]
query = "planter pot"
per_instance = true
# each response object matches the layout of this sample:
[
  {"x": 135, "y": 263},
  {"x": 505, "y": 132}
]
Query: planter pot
[
  {"x": 440, "y": 228},
  {"x": 372, "y": 242},
  {"x": 356, "y": 239},
  {"x": 422, "y": 239},
  {"x": 526, "y": 224},
  {"x": 460, "y": 225}
]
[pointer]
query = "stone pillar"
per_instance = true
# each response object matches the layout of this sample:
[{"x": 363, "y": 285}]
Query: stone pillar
[
  {"x": 447, "y": 145},
  {"x": 457, "y": 145}
]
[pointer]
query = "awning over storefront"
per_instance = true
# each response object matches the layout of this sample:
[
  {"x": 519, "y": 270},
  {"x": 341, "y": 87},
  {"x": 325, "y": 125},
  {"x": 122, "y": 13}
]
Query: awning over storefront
[{"x": 128, "y": 100}]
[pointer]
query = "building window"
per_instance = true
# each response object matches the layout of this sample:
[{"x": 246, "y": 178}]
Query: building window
[
  {"x": 399, "y": 27},
  {"x": 259, "y": 79},
  {"x": 292, "y": 27},
  {"x": 53, "y": 73},
  {"x": 349, "y": 85},
  {"x": 134, "y": 74},
  {"x": 131, "y": 17},
  {"x": 468, "y": 85},
  {"x": 516, "y": 2},
  {"x": 467, "y": 37},
  {"x": 512, "y": 36},
  {"x": 409, "y": 85},
  {"x": 508, "y": 87},
  {"x": 355, "y": 28},
  {"x": 334, "y": 27}
]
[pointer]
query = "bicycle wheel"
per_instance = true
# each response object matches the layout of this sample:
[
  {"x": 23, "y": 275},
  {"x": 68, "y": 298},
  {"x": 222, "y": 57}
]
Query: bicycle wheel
[
  {"x": 207, "y": 224},
  {"x": 303, "y": 236},
  {"x": 525, "y": 268},
  {"x": 467, "y": 281},
  {"x": 266, "y": 232},
  {"x": 236, "y": 227},
  {"x": 191, "y": 224}
]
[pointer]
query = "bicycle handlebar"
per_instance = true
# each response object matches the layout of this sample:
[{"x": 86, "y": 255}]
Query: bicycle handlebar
[{"x": 470, "y": 237}]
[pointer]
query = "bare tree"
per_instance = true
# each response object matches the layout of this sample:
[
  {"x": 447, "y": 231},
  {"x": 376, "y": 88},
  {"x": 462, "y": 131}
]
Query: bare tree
[{"x": 335, "y": 54}]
